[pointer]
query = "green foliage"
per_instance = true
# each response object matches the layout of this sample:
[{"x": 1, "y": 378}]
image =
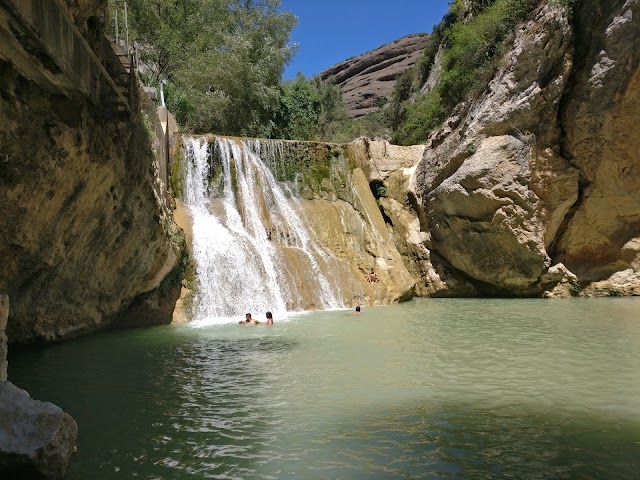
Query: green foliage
[
  {"x": 468, "y": 62},
  {"x": 459, "y": 7},
  {"x": 378, "y": 189},
  {"x": 223, "y": 59},
  {"x": 421, "y": 118},
  {"x": 575, "y": 288},
  {"x": 472, "y": 36},
  {"x": 301, "y": 106},
  {"x": 311, "y": 109}
]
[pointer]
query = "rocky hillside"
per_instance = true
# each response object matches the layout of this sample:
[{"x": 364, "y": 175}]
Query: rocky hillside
[
  {"x": 367, "y": 81},
  {"x": 529, "y": 188}
]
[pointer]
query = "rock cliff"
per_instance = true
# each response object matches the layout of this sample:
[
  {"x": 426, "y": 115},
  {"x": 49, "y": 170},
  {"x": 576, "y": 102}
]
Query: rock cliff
[
  {"x": 367, "y": 81},
  {"x": 86, "y": 239},
  {"x": 528, "y": 189}
]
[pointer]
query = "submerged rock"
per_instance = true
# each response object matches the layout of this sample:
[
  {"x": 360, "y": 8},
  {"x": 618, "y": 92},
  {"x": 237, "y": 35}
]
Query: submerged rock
[{"x": 36, "y": 438}]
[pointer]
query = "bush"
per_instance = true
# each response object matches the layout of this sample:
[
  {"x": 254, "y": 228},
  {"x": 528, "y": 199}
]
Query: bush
[
  {"x": 422, "y": 117},
  {"x": 471, "y": 47}
]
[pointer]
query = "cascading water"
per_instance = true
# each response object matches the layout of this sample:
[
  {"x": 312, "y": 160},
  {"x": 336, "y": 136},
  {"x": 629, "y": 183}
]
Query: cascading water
[{"x": 245, "y": 232}]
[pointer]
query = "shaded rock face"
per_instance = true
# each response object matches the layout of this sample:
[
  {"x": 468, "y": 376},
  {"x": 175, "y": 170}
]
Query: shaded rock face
[
  {"x": 83, "y": 233},
  {"x": 600, "y": 122},
  {"x": 529, "y": 188},
  {"x": 367, "y": 81},
  {"x": 36, "y": 438},
  {"x": 87, "y": 10},
  {"x": 4, "y": 318}
]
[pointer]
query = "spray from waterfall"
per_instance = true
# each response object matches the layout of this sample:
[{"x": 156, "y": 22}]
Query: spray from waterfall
[{"x": 253, "y": 251}]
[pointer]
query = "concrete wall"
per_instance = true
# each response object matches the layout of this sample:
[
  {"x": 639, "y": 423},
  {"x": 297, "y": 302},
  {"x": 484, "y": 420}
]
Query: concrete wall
[{"x": 41, "y": 39}]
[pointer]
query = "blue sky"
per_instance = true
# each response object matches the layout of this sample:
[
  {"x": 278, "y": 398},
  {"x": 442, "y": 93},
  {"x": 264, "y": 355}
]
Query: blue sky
[{"x": 330, "y": 31}]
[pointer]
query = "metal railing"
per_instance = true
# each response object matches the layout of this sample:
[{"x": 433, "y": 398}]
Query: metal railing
[{"x": 126, "y": 26}]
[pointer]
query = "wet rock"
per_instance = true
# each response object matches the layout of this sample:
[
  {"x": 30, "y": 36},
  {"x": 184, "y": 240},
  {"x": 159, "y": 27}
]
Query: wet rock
[
  {"x": 36, "y": 438},
  {"x": 560, "y": 282}
]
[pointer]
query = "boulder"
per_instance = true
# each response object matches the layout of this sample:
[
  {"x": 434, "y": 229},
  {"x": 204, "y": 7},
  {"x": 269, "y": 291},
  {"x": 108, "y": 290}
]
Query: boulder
[
  {"x": 483, "y": 218},
  {"x": 36, "y": 438}
]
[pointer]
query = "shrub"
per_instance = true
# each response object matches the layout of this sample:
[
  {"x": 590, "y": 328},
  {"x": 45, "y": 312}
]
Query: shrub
[
  {"x": 471, "y": 47},
  {"x": 575, "y": 288},
  {"x": 422, "y": 116}
]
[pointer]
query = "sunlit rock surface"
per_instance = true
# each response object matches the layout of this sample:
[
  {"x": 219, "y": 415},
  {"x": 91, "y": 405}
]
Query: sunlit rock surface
[
  {"x": 536, "y": 171},
  {"x": 367, "y": 81}
]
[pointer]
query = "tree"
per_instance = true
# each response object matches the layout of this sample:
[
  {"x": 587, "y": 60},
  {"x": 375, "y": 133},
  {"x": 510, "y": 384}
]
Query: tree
[{"x": 223, "y": 59}]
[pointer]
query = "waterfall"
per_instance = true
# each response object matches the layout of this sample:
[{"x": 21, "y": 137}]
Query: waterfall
[{"x": 253, "y": 251}]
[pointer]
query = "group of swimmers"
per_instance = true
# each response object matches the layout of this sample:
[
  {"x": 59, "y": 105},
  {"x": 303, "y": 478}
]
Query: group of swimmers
[
  {"x": 250, "y": 321},
  {"x": 372, "y": 277}
]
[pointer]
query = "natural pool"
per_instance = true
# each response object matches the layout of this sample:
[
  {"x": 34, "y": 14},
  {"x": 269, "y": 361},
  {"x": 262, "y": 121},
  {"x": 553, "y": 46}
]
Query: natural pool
[{"x": 434, "y": 388}]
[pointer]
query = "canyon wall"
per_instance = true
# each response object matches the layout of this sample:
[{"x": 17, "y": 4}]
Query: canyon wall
[
  {"x": 87, "y": 238},
  {"x": 529, "y": 189}
]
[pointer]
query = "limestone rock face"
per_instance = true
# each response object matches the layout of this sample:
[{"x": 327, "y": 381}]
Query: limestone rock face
[
  {"x": 385, "y": 158},
  {"x": 491, "y": 185},
  {"x": 389, "y": 169},
  {"x": 528, "y": 189},
  {"x": 367, "y": 81},
  {"x": 602, "y": 141},
  {"x": 483, "y": 217},
  {"x": 35, "y": 437},
  {"x": 84, "y": 232}
]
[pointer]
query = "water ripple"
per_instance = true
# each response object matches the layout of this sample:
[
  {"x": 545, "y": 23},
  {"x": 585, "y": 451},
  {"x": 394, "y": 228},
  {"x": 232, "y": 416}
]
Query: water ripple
[{"x": 448, "y": 389}]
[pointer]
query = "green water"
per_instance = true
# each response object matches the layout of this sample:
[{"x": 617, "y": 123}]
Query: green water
[{"x": 465, "y": 389}]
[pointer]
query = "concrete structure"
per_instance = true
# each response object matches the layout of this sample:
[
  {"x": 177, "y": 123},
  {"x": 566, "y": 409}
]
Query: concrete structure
[{"x": 41, "y": 39}]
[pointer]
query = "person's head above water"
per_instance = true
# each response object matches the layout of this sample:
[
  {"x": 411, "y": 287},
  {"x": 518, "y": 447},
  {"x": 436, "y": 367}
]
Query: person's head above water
[
  {"x": 358, "y": 308},
  {"x": 247, "y": 316},
  {"x": 269, "y": 315}
]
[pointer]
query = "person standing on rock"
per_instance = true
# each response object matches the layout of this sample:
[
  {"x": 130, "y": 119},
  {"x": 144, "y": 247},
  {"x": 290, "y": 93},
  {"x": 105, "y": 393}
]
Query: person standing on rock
[{"x": 373, "y": 276}]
